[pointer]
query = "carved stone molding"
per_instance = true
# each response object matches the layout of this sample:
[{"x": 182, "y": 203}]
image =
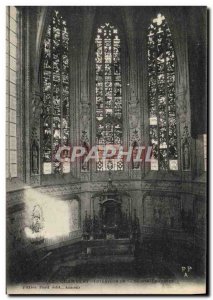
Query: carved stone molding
[
  {"x": 85, "y": 114},
  {"x": 185, "y": 135},
  {"x": 162, "y": 186},
  {"x": 181, "y": 105},
  {"x": 37, "y": 105},
  {"x": 134, "y": 116},
  {"x": 84, "y": 137},
  {"x": 85, "y": 176},
  {"x": 60, "y": 189},
  {"x": 135, "y": 174},
  {"x": 186, "y": 149},
  {"x": 35, "y": 157},
  {"x": 134, "y": 113},
  {"x": 35, "y": 153},
  {"x": 135, "y": 136},
  {"x": 36, "y": 110},
  {"x": 120, "y": 186},
  {"x": 85, "y": 131}
]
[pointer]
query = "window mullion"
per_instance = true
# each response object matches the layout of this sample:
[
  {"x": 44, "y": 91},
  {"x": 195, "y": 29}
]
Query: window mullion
[
  {"x": 113, "y": 86},
  {"x": 157, "y": 102},
  {"x": 103, "y": 64},
  {"x": 51, "y": 50},
  {"x": 167, "y": 113},
  {"x": 61, "y": 85}
]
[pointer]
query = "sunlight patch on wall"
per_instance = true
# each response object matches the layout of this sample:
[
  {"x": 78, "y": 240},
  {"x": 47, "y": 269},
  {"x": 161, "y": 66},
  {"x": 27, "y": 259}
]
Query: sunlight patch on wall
[{"x": 45, "y": 216}]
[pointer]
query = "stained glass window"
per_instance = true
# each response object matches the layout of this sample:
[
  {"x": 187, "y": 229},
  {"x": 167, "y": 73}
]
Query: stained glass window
[
  {"x": 56, "y": 132},
  {"x": 161, "y": 96},
  {"x": 108, "y": 94},
  {"x": 11, "y": 55}
]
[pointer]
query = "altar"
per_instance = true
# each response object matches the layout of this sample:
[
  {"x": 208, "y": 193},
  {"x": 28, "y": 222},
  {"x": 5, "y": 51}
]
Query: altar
[
  {"x": 108, "y": 248},
  {"x": 111, "y": 221}
]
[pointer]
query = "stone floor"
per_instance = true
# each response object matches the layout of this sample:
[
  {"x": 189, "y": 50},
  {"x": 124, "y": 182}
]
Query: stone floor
[
  {"x": 154, "y": 259},
  {"x": 106, "y": 267}
]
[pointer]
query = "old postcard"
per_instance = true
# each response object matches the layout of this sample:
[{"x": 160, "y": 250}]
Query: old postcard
[{"x": 106, "y": 144}]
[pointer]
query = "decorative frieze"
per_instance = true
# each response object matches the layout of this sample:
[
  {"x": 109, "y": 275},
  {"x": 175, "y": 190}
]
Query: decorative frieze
[
  {"x": 161, "y": 185},
  {"x": 60, "y": 189}
]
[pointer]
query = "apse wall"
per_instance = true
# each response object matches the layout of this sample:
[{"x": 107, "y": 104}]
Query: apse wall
[
  {"x": 157, "y": 204},
  {"x": 168, "y": 201}
]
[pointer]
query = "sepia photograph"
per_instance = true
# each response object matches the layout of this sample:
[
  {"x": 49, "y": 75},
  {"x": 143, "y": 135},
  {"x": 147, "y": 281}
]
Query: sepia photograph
[{"x": 106, "y": 150}]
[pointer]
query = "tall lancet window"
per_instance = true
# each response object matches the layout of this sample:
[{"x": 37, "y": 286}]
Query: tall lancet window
[
  {"x": 161, "y": 96},
  {"x": 55, "y": 78},
  {"x": 109, "y": 122}
]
